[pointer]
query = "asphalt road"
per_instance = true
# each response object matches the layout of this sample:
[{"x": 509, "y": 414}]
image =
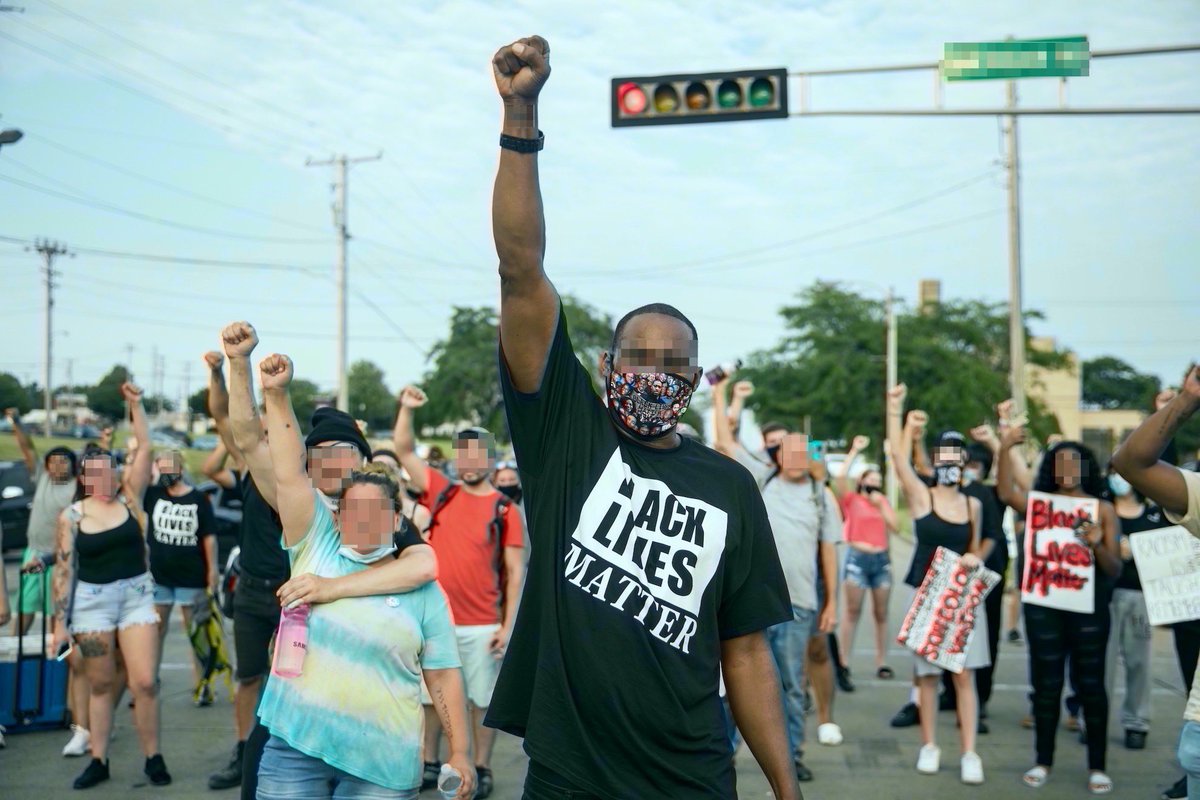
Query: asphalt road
[{"x": 875, "y": 761}]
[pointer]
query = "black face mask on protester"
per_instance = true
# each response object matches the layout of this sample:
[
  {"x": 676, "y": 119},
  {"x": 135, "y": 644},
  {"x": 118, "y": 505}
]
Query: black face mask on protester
[
  {"x": 773, "y": 454},
  {"x": 168, "y": 479},
  {"x": 947, "y": 475},
  {"x": 872, "y": 489},
  {"x": 511, "y": 492}
]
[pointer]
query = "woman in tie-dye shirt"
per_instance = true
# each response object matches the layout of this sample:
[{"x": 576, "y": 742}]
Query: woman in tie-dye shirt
[{"x": 350, "y": 724}]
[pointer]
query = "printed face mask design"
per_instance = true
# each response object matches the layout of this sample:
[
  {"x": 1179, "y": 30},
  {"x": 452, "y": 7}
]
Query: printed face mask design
[
  {"x": 647, "y": 404},
  {"x": 947, "y": 475}
]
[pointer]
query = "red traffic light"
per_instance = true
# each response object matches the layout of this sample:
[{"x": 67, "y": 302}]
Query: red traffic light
[
  {"x": 703, "y": 97},
  {"x": 631, "y": 98}
]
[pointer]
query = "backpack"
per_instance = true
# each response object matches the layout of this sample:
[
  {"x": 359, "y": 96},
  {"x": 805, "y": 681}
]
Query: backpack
[{"x": 496, "y": 528}]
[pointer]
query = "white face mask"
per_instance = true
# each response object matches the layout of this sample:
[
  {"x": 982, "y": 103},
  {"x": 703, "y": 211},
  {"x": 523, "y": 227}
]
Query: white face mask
[
  {"x": 970, "y": 475},
  {"x": 368, "y": 558}
]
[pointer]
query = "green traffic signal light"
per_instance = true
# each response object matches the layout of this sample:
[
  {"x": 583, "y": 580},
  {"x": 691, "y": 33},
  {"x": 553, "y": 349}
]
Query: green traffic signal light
[
  {"x": 699, "y": 97},
  {"x": 729, "y": 94},
  {"x": 762, "y": 93}
]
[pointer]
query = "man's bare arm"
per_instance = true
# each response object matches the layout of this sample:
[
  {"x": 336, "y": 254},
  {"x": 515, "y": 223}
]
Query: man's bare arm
[
  {"x": 28, "y": 451},
  {"x": 404, "y": 440},
  {"x": 240, "y": 339}
]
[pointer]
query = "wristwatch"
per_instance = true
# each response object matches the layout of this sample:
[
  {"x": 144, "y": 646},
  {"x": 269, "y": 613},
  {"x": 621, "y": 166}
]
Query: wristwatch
[{"x": 518, "y": 145}]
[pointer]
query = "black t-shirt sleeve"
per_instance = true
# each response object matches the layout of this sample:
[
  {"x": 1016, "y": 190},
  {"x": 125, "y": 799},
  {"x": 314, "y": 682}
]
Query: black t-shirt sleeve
[
  {"x": 208, "y": 518},
  {"x": 563, "y": 408},
  {"x": 407, "y": 536},
  {"x": 754, "y": 593}
]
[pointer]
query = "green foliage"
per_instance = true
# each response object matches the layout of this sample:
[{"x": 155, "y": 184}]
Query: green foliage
[
  {"x": 105, "y": 397},
  {"x": 13, "y": 394},
  {"x": 370, "y": 399},
  {"x": 1109, "y": 382},
  {"x": 198, "y": 402},
  {"x": 305, "y": 395}
]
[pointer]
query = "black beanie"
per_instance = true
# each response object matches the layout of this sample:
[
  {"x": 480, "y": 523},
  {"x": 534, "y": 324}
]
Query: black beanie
[{"x": 331, "y": 425}]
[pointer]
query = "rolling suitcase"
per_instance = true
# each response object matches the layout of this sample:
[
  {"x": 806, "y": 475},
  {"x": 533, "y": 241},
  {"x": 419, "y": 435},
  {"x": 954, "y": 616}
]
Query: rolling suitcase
[{"x": 33, "y": 688}]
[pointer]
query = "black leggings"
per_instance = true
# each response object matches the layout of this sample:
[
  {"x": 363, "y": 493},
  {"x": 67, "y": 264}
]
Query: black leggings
[
  {"x": 1187, "y": 648},
  {"x": 1055, "y": 637}
]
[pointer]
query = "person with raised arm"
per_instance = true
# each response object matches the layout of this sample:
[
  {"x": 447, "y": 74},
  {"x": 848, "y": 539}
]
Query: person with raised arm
[
  {"x": 653, "y": 566},
  {"x": 346, "y": 720}
]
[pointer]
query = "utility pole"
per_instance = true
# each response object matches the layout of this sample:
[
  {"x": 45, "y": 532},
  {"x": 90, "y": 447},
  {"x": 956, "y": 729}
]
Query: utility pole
[
  {"x": 184, "y": 405},
  {"x": 341, "y": 193},
  {"x": 129, "y": 362},
  {"x": 70, "y": 374},
  {"x": 1016, "y": 317},
  {"x": 892, "y": 380},
  {"x": 49, "y": 250}
]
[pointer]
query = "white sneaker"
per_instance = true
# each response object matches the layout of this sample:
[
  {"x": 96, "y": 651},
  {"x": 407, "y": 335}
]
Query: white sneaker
[
  {"x": 972, "y": 769},
  {"x": 80, "y": 744},
  {"x": 829, "y": 734},
  {"x": 929, "y": 760}
]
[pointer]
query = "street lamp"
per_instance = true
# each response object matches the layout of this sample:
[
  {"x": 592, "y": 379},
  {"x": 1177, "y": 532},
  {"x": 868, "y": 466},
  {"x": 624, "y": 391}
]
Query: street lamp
[{"x": 10, "y": 136}]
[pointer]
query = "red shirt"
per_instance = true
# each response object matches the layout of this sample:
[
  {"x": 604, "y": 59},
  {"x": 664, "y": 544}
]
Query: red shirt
[
  {"x": 468, "y": 563},
  {"x": 863, "y": 522}
]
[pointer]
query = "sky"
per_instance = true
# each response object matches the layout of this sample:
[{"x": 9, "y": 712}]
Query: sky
[{"x": 182, "y": 130}]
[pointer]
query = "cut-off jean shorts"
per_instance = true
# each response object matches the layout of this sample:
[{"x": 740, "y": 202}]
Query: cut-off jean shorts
[{"x": 102, "y": 607}]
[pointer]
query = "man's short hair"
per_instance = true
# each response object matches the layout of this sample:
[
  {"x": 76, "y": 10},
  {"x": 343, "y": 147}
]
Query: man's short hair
[
  {"x": 771, "y": 427},
  {"x": 650, "y": 308}
]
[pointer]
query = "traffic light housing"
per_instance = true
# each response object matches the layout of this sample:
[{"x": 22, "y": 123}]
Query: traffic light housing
[{"x": 700, "y": 97}]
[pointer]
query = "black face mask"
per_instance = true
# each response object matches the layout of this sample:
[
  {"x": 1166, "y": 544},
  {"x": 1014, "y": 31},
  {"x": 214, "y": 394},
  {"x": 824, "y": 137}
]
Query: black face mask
[
  {"x": 168, "y": 479},
  {"x": 511, "y": 492},
  {"x": 773, "y": 454},
  {"x": 871, "y": 489}
]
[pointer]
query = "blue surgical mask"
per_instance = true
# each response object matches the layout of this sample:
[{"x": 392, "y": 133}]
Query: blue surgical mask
[
  {"x": 1120, "y": 487},
  {"x": 367, "y": 558}
]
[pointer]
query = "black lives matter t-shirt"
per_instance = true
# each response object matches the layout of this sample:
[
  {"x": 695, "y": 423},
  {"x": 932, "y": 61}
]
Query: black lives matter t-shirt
[
  {"x": 175, "y": 527},
  {"x": 642, "y": 560}
]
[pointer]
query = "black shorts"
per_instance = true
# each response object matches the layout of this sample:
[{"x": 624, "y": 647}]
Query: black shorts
[{"x": 255, "y": 618}]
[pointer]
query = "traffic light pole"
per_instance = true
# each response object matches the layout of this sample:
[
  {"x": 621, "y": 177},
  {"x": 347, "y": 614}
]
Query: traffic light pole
[{"x": 1009, "y": 112}]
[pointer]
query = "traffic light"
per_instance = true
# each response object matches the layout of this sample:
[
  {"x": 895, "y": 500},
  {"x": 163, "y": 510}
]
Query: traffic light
[{"x": 702, "y": 97}]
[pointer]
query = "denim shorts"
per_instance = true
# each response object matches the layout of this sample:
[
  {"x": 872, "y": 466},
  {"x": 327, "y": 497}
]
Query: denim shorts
[
  {"x": 287, "y": 774},
  {"x": 102, "y": 607},
  {"x": 170, "y": 595},
  {"x": 868, "y": 570}
]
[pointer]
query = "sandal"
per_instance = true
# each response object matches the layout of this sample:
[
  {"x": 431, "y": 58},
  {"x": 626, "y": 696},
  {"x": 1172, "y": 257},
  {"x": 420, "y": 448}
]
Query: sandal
[
  {"x": 885, "y": 673},
  {"x": 1099, "y": 783},
  {"x": 1036, "y": 778}
]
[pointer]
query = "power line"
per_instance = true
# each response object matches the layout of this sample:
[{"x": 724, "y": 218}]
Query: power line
[{"x": 312, "y": 269}]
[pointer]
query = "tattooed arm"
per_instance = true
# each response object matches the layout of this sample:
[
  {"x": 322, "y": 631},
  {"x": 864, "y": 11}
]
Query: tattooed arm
[
  {"x": 64, "y": 572},
  {"x": 450, "y": 703}
]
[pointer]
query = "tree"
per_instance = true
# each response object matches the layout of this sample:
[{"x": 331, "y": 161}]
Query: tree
[
  {"x": 198, "y": 402},
  {"x": 105, "y": 397},
  {"x": 13, "y": 394},
  {"x": 1109, "y": 382},
  {"x": 305, "y": 397},
  {"x": 830, "y": 368},
  {"x": 463, "y": 384},
  {"x": 370, "y": 399}
]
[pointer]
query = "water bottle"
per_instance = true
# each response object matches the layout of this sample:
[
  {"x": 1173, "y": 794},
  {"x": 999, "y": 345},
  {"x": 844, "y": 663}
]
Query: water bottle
[
  {"x": 291, "y": 642},
  {"x": 449, "y": 782}
]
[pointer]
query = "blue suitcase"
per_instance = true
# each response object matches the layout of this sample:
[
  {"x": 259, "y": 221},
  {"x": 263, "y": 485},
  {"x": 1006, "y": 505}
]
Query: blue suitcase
[{"x": 33, "y": 689}]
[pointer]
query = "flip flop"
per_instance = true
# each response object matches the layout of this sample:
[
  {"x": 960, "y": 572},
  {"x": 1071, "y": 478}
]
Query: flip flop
[
  {"x": 1036, "y": 778},
  {"x": 1099, "y": 783},
  {"x": 885, "y": 673}
]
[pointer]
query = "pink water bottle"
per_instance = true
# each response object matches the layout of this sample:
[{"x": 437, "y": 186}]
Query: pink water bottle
[{"x": 291, "y": 642}]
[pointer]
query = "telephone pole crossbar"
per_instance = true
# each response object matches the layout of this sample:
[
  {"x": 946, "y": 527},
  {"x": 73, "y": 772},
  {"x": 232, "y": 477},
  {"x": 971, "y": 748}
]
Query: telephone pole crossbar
[{"x": 49, "y": 251}]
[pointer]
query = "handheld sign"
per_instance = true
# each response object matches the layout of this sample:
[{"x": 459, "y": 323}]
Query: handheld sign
[
  {"x": 941, "y": 622},
  {"x": 1168, "y": 562},
  {"x": 1060, "y": 571}
]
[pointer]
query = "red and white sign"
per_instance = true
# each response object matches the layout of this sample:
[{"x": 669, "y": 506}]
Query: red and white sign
[
  {"x": 941, "y": 622},
  {"x": 1060, "y": 570}
]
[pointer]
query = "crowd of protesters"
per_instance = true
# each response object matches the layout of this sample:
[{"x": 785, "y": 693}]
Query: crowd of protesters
[{"x": 629, "y": 601}]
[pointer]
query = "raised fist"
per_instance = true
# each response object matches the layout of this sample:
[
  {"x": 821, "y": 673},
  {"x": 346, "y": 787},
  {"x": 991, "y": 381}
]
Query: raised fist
[
  {"x": 1012, "y": 437},
  {"x": 521, "y": 68},
  {"x": 1191, "y": 384},
  {"x": 1004, "y": 410},
  {"x": 984, "y": 434},
  {"x": 275, "y": 372},
  {"x": 11, "y": 413},
  {"x": 895, "y": 398},
  {"x": 214, "y": 360},
  {"x": 859, "y": 444},
  {"x": 918, "y": 419},
  {"x": 412, "y": 397},
  {"x": 239, "y": 339},
  {"x": 743, "y": 389},
  {"x": 131, "y": 393}
]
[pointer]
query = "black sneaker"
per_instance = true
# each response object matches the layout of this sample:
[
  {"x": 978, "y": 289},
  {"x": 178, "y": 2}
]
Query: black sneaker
[
  {"x": 843, "y": 679},
  {"x": 484, "y": 785},
  {"x": 156, "y": 770},
  {"x": 429, "y": 777},
  {"x": 1178, "y": 791},
  {"x": 803, "y": 773},
  {"x": 205, "y": 698},
  {"x": 1014, "y": 636},
  {"x": 907, "y": 717},
  {"x": 96, "y": 772},
  {"x": 231, "y": 776},
  {"x": 946, "y": 702},
  {"x": 1135, "y": 740}
]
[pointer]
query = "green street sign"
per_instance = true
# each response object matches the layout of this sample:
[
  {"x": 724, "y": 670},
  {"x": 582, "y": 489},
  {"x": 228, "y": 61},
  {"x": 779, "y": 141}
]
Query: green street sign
[{"x": 1067, "y": 57}]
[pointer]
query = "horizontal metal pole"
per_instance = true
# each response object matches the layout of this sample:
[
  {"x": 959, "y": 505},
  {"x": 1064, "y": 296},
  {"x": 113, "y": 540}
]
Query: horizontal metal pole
[
  {"x": 1131, "y": 51},
  {"x": 991, "y": 112}
]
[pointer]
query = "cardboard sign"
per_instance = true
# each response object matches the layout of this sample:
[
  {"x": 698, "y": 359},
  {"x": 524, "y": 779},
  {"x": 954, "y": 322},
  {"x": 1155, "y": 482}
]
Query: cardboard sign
[
  {"x": 1168, "y": 562},
  {"x": 941, "y": 622},
  {"x": 1060, "y": 571}
]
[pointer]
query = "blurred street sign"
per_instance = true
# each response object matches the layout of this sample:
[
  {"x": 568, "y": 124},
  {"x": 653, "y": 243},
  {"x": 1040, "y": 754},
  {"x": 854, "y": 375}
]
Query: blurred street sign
[{"x": 1066, "y": 57}]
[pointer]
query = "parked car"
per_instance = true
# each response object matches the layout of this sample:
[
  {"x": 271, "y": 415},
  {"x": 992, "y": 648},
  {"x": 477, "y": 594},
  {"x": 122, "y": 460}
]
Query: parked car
[
  {"x": 16, "y": 500},
  {"x": 207, "y": 441},
  {"x": 85, "y": 432},
  {"x": 179, "y": 438},
  {"x": 227, "y": 508}
]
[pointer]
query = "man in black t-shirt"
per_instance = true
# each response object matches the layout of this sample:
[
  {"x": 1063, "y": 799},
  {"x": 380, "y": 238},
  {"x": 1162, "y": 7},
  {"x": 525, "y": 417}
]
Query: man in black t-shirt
[{"x": 653, "y": 566}]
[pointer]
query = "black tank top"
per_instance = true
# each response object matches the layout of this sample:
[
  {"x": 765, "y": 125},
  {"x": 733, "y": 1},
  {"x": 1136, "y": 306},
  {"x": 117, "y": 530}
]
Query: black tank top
[
  {"x": 108, "y": 556},
  {"x": 1150, "y": 519},
  {"x": 932, "y": 532}
]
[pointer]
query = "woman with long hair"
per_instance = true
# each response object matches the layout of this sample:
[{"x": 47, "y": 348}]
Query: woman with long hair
[
  {"x": 1056, "y": 636},
  {"x": 104, "y": 596}
]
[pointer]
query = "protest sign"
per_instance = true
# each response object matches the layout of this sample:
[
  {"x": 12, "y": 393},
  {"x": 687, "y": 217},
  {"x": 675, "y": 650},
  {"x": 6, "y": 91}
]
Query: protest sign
[
  {"x": 1060, "y": 571},
  {"x": 1168, "y": 562},
  {"x": 941, "y": 622}
]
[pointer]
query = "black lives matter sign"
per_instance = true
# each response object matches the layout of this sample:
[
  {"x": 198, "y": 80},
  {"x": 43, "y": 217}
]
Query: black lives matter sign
[{"x": 646, "y": 551}]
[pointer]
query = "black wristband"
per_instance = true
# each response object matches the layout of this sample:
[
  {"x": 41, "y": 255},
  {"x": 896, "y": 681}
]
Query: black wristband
[{"x": 519, "y": 145}]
